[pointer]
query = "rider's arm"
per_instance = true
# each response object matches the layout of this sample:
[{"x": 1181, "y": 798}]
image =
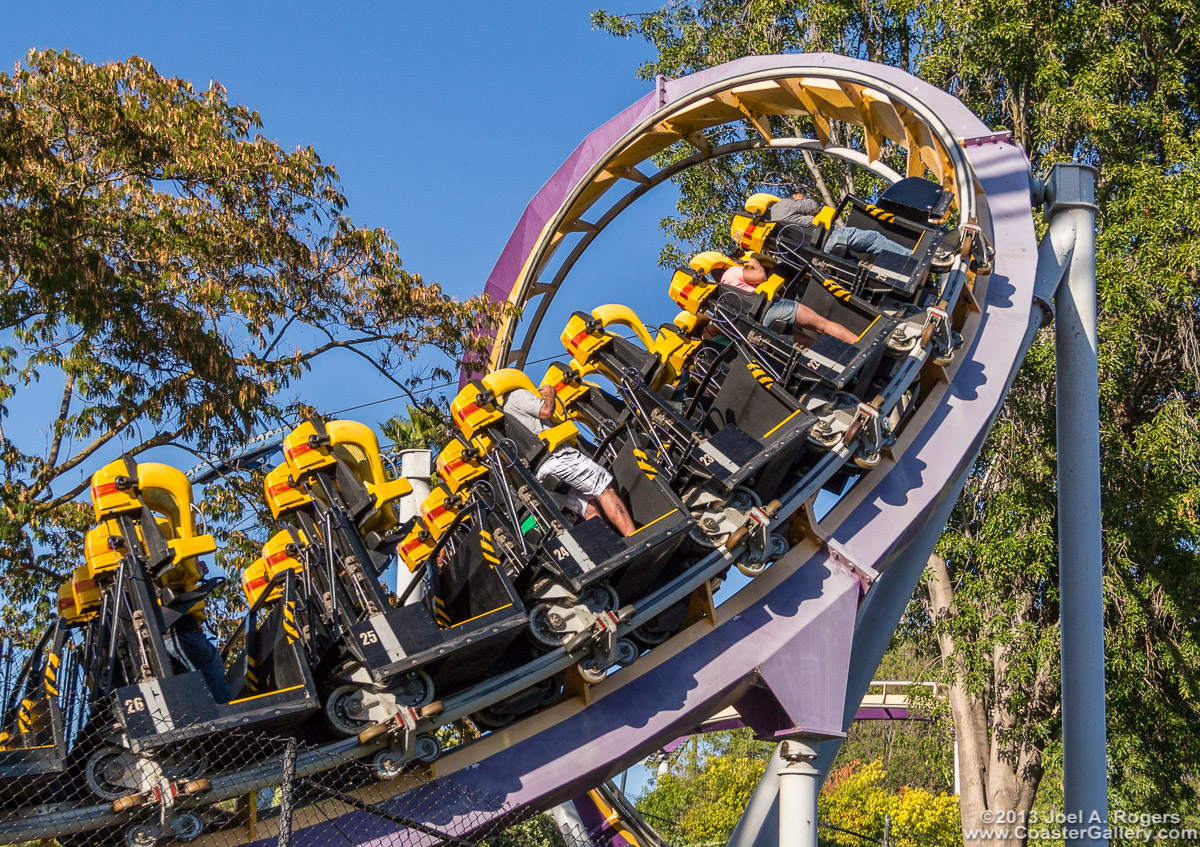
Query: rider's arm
[{"x": 548, "y": 397}]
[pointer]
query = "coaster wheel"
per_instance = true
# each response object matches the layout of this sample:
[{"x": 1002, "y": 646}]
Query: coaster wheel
[
  {"x": 103, "y": 772},
  {"x": 387, "y": 764},
  {"x": 591, "y": 672},
  {"x": 187, "y": 826},
  {"x": 416, "y": 689},
  {"x": 427, "y": 748},
  {"x": 341, "y": 711},
  {"x": 141, "y": 834},
  {"x": 546, "y": 626}
]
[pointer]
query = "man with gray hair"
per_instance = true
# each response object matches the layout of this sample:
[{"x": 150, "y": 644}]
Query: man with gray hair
[{"x": 801, "y": 210}]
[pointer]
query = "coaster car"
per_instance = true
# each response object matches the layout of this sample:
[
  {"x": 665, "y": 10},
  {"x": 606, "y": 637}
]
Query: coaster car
[
  {"x": 908, "y": 214},
  {"x": 143, "y": 582},
  {"x": 902, "y": 288},
  {"x": 746, "y": 434},
  {"x": 377, "y": 656},
  {"x": 40, "y": 706},
  {"x": 834, "y": 381},
  {"x": 573, "y": 572},
  {"x": 739, "y": 316}
]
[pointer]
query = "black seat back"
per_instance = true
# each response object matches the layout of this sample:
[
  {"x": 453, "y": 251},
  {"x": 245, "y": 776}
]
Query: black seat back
[
  {"x": 917, "y": 199},
  {"x": 743, "y": 402},
  {"x": 530, "y": 449},
  {"x": 470, "y": 584},
  {"x": 867, "y": 216},
  {"x": 822, "y": 301},
  {"x": 636, "y": 479},
  {"x": 747, "y": 304}
]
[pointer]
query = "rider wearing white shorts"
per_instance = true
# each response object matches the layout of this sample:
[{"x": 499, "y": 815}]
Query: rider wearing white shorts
[{"x": 585, "y": 480}]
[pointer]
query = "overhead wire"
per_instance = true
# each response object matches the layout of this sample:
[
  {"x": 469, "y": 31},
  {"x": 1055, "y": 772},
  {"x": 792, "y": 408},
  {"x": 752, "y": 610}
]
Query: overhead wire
[{"x": 432, "y": 388}]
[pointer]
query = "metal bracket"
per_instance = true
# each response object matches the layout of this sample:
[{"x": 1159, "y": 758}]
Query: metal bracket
[
  {"x": 1069, "y": 185},
  {"x": 865, "y": 575},
  {"x": 993, "y": 138}
]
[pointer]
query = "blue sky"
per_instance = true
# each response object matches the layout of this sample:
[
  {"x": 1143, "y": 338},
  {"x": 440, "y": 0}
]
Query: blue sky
[{"x": 442, "y": 120}]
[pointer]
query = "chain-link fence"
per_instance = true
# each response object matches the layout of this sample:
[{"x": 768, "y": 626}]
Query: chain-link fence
[{"x": 128, "y": 775}]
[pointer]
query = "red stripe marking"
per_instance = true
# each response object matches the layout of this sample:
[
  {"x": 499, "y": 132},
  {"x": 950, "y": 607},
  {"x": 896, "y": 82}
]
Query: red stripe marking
[
  {"x": 99, "y": 491},
  {"x": 573, "y": 344},
  {"x": 416, "y": 542},
  {"x": 298, "y": 449},
  {"x": 460, "y": 415}
]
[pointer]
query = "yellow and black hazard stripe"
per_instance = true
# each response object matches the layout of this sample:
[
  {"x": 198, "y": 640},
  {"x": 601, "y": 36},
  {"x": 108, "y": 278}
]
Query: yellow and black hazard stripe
[
  {"x": 487, "y": 548},
  {"x": 836, "y": 290},
  {"x": 764, "y": 378},
  {"x": 644, "y": 463},
  {"x": 443, "y": 618},
  {"x": 25, "y": 717},
  {"x": 289, "y": 621},
  {"x": 251, "y": 676},
  {"x": 52, "y": 675},
  {"x": 880, "y": 214}
]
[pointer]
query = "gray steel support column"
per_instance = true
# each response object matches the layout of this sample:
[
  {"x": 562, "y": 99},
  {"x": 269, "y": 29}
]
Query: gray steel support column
[
  {"x": 799, "y": 782},
  {"x": 762, "y": 812},
  {"x": 569, "y": 823},
  {"x": 1071, "y": 191}
]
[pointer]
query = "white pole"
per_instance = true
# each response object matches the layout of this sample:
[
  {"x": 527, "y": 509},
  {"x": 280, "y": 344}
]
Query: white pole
[
  {"x": 761, "y": 815},
  {"x": 957, "y": 776},
  {"x": 1071, "y": 190},
  {"x": 416, "y": 466},
  {"x": 799, "y": 782}
]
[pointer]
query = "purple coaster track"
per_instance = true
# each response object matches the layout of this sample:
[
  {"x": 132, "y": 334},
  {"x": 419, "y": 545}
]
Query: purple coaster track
[{"x": 795, "y": 649}]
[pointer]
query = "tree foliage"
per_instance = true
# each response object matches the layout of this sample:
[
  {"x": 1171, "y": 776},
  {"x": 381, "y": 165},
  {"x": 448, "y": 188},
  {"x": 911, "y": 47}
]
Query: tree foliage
[
  {"x": 855, "y": 805},
  {"x": 167, "y": 274},
  {"x": 701, "y": 796},
  {"x": 708, "y": 784},
  {"x": 424, "y": 426},
  {"x": 1106, "y": 84},
  {"x": 915, "y": 753},
  {"x": 539, "y": 831}
]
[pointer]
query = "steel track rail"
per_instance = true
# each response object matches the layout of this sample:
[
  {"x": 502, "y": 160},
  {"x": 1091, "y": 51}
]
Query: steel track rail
[{"x": 53, "y": 820}]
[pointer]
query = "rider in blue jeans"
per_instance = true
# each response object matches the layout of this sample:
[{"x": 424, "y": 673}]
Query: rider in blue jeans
[{"x": 861, "y": 243}]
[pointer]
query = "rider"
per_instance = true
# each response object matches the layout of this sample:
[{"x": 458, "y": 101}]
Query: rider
[
  {"x": 801, "y": 209},
  {"x": 750, "y": 274},
  {"x": 587, "y": 483}
]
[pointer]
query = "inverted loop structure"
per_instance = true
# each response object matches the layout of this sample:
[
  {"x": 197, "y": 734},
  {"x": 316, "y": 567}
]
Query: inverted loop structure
[
  {"x": 793, "y": 650},
  {"x": 796, "y": 649}
]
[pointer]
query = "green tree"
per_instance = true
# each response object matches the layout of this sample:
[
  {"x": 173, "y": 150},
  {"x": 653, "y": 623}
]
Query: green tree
[
  {"x": 539, "y": 831},
  {"x": 1091, "y": 81},
  {"x": 855, "y": 804},
  {"x": 705, "y": 788},
  {"x": 709, "y": 781},
  {"x": 915, "y": 753},
  {"x": 426, "y": 425},
  {"x": 173, "y": 272}
]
